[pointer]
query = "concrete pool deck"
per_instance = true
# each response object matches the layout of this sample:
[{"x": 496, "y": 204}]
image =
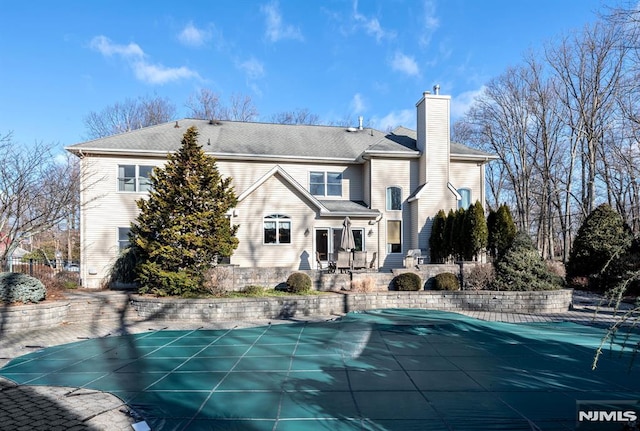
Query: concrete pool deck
[{"x": 383, "y": 357}]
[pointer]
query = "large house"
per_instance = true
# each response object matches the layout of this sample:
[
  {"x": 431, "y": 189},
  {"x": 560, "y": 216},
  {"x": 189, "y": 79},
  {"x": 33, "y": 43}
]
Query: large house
[{"x": 296, "y": 185}]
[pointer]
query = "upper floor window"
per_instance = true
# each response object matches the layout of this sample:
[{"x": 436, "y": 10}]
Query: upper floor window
[
  {"x": 325, "y": 183},
  {"x": 134, "y": 178},
  {"x": 277, "y": 229},
  {"x": 394, "y": 198},
  {"x": 465, "y": 202}
]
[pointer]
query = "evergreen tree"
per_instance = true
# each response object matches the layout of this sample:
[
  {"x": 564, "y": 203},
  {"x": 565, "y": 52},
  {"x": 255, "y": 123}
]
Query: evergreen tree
[
  {"x": 602, "y": 237},
  {"x": 522, "y": 268},
  {"x": 448, "y": 237},
  {"x": 458, "y": 239},
  {"x": 501, "y": 230},
  {"x": 182, "y": 229},
  {"x": 474, "y": 231},
  {"x": 437, "y": 244}
]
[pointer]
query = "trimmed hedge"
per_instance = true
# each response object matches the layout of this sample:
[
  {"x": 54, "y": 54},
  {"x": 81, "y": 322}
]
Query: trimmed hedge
[
  {"x": 18, "y": 287},
  {"x": 407, "y": 281},
  {"x": 298, "y": 282},
  {"x": 446, "y": 281}
]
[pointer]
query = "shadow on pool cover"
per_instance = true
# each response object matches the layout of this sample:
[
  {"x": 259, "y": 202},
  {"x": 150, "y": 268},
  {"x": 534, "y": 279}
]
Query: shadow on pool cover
[{"x": 379, "y": 370}]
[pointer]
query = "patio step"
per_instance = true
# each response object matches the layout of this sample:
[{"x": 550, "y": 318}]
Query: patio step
[{"x": 88, "y": 307}]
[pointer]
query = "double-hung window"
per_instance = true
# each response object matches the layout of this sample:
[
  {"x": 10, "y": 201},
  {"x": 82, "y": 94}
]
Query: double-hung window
[
  {"x": 394, "y": 236},
  {"x": 277, "y": 229},
  {"x": 465, "y": 202},
  {"x": 394, "y": 198},
  {"x": 123, "y": 238},
  {"x": 134, "y": 178},
  {"x": 325, "y": 183}
]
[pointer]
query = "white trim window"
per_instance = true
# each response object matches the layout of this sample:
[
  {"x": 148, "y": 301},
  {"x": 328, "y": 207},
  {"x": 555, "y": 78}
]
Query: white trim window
[
  {"x": 325, "y": 183},
  {"x": 123, "y": 238},
  {"x": 394, "y": 198},
  {"x": 394, "y": 236},
  {"x": 134, "y": 178},
  {"x": 465, "y": 201},
  {"x": 277, "y": 229}
]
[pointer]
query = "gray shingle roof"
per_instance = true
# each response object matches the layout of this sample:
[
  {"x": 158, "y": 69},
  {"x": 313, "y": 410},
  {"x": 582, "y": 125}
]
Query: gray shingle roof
[
  {"x": 264, "y": 140},
  {"x": 351, "y": 207},
  {"x": 408, "y": 137}
]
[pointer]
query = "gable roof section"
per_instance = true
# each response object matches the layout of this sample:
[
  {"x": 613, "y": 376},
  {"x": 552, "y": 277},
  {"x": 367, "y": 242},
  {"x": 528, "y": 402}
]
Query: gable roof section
[{"x": 337, "y": 208}]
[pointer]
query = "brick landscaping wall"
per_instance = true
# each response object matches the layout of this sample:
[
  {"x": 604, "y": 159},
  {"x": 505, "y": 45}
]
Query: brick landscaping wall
[
  {"x": 556, "y": 301},
  {"x": 31, "y": 316}
]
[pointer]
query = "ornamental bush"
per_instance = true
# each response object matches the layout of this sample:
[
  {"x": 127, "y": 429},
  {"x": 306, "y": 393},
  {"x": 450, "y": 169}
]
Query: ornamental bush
[
  {"x": 407, "y": 281},
  {"x": 521, "y": 268},
  {"x": 298, "y": 282},
  {"x": 446, "y": 281},
  {"x": 602, "y": 238},
  {"x": 18, "y": 287}
]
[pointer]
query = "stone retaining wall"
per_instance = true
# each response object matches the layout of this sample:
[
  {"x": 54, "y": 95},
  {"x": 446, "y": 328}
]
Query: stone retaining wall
[
  {"x": 211, "y": 310},
  {"x": 339, "y": 303},
  {"x": 30, "y": 316}
]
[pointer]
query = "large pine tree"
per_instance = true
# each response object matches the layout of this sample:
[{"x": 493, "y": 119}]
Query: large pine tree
[{"x": 183, "y": 228}]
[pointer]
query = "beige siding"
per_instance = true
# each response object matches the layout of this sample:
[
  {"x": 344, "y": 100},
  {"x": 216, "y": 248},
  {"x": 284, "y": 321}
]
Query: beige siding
[
  {"x": 468, "y": 175},
  {"x": 387, "y": 173},
  {"x": 104, "y": 209},
  {"x": 274, "y": 197},
  {"x": 245, "y": 174}
]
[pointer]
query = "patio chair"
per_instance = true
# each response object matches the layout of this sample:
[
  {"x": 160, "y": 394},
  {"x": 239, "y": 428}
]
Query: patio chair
[
  {"x": 359, "y": 259},
  {"x": 344, "y": 261}
]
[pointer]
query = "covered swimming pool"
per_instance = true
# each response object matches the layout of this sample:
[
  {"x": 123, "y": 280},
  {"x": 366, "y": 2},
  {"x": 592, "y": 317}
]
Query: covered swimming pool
[{"x": 379, "y": 370}]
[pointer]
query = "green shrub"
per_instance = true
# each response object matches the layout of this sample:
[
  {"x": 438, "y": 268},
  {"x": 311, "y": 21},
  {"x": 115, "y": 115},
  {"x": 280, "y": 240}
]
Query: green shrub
[
  {"x": 446, "y": 281},
  {"x": 521, "y": 268},
  {"x": 407, "y": 281},
  {"x": 603, "y": 237},
  {"x": 298, "y": 282},
  {"x": 17, "y": 287},
  {"x": 159, "y": 282},
  {"x": 253, "y": 290}
]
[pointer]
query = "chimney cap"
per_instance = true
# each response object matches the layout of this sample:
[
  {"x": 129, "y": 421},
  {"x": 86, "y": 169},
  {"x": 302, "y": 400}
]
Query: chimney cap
[{"x": 436, "y": 89}]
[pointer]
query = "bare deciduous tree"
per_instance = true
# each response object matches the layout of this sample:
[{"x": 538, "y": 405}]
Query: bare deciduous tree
[
  {"x": 299, "y": 116},
  {"x": 129, "y": 115},
  {"x": 206, "y": 105},
  {"x": 36, "y": 192}
]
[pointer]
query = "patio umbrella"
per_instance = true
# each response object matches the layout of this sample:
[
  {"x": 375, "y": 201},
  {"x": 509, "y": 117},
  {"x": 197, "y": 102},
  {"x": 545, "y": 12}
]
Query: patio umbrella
[{"x": 346, "y": 241}]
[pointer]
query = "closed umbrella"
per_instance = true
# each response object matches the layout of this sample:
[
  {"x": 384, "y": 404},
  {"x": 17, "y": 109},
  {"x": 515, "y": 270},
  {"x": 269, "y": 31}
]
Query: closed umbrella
[{"x": 346, "y": 241}]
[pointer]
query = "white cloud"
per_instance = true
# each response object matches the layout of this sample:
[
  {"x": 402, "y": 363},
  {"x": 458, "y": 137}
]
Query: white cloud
[
  {"x": 104, "y": 46},
  {"x": 357, "y": 103},
  {"x": 136, "y": 59},
  {"x": 461, "y": 103},
  {"x": 158, "y": 74},
  {"x": 276, "y": 29},
  {"x": 253, "y": 68},
  {"x": 430, "y": 22},
  {"x": 371, "y": 25},
  {"x": 193, "y": 36},
  {"x": 405, "y": 64},
  {"x": 404, "y": 117}
]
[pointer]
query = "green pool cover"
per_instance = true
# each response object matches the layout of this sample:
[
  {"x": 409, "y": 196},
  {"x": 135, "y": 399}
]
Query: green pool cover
[{"x": 381, "y": 370}]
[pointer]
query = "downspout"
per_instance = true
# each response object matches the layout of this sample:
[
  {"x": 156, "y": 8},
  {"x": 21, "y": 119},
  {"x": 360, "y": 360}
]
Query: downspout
[{"x": 374, "y": 222}]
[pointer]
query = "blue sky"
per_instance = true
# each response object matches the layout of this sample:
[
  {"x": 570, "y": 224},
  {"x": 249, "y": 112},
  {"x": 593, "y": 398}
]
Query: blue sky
[{"x": 337, "y": 58}]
